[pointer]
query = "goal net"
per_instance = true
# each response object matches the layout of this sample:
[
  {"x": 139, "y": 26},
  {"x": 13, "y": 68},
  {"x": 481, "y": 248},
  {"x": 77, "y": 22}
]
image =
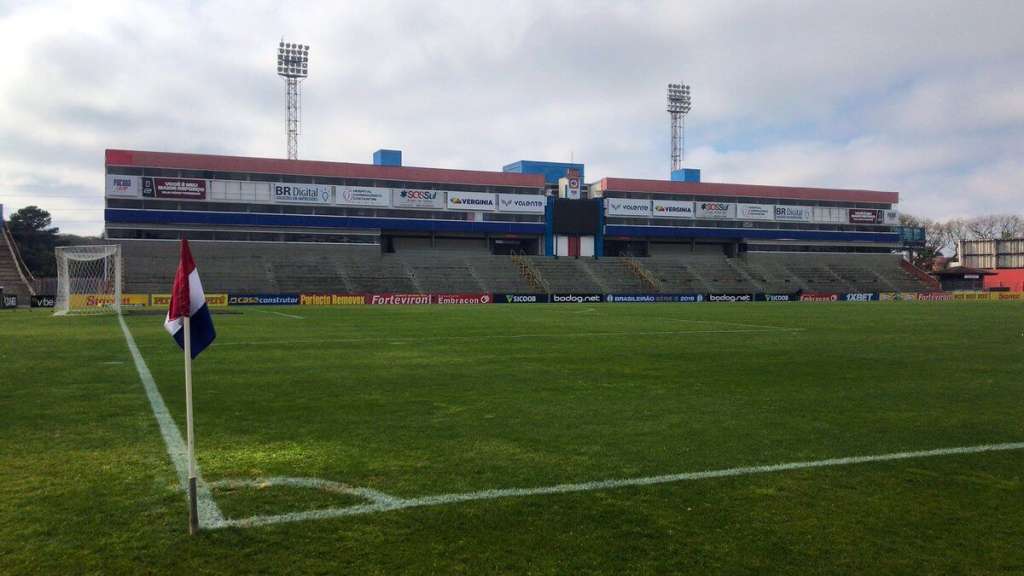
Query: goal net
[{"x": 88, "y": 279}]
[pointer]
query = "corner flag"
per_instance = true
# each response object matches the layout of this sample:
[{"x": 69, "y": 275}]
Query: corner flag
[
  {"x": 187, "y": 300},
  {"x": 188, "y": 320}
]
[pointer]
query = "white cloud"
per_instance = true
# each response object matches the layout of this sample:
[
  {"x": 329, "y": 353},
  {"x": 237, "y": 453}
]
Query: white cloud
[{"x": 919, "y": 97}]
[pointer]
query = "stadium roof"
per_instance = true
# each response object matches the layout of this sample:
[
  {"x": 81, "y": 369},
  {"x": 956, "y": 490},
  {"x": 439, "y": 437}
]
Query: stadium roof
[
  {"x": 172, "y": 160},
  {"x": 746, "y": 191}
]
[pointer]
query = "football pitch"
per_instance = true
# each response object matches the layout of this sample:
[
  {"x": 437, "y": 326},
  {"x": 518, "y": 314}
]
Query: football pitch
[{"x": 883, "y": 437}]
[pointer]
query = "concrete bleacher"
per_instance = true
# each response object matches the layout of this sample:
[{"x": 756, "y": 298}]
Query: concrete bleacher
[
  {"x": 244, "y": 267},
  {"x": 568, "y": 275}
]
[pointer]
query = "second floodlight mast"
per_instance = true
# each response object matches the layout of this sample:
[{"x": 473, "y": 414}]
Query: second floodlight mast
[
  {"x": 293, "y": 66},
  {"x": 678, "y": 107}
]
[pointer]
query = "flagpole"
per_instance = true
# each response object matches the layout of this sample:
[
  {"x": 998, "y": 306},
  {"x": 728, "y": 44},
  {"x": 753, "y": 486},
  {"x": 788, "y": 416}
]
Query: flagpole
[{"x": 193, "y": 513}]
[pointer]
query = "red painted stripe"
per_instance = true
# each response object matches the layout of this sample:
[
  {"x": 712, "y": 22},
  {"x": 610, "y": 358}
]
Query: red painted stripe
[
  {"x": 635, "y": 185},
  {"x": 317, "y": 168}
]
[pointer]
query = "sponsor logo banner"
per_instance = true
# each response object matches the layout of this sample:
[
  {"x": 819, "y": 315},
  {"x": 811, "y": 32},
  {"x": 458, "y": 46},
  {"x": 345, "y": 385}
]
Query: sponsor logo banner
[
  {"x": 672, "y": 209},
  {"x": 864, "y": 216},
  {"x": 174, "y": 188},
  {"x": 408, "y": 198},
  {"x": 627, "y": 207},
  {"x": 777, "y": 297},
  {"x": 577, "y": 298},
  {"x": 376, "y": 197},
  {"x": 794, "y": 213},
  {"x": 331, "y": 299},
  {"x": 398, "y": 299},
  {"x": 652, "y": 298},
  {"x": 262, "y": 299},
  {"x": 461, "y": 298},
  {"x": 755, "y": 211},
  {"x": 730, "y": 298},
  {"x": 9, "y": 301},
  {"x": 88, "y": 300},
  {"x": 212, "y": 300},
  {"x": 44, "y": 301},
  {"x": 973, "y": 295},
  {"x": 302, "y": 193},
  {"x": 521, "y": 298},
  {"x": 123, "y": 185},
  {"x": 1007, "y": 295},
  {"x": 716, "y": 210},
  {"x": 935, "y": 296},
  {"x": 525, "y": 203},
  {"x": 819, "y": 296},
  {"x": 860, "y": 296},
  {"x": 475, "y": 201}
]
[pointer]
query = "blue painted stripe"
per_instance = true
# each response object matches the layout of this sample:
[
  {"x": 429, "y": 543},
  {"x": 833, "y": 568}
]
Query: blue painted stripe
[
  {"x": 748, "y": 233},
  {"x": 202, "y": 332},
  {"x": 133, "y": 216}
]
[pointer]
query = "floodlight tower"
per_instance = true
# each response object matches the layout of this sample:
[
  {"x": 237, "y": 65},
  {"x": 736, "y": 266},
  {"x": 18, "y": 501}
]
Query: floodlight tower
[
  {"x": 678, "y": 107},
  {"x": 293, "y": 66}
]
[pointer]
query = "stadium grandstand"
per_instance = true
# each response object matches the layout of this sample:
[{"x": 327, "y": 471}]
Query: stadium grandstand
[{"x": 272, "y": 226}]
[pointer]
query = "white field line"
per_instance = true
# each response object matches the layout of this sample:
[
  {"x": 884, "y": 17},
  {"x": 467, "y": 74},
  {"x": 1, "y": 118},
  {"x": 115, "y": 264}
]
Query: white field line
[
  {"x": 481, "y": 337},
  {"x": 314, "y": 483},
  {"x": 731, "y": 324},
  {"x": 278, "y": 313},
  {"x": 209, "y": 514},
  {"x": 393, "y": 503}
]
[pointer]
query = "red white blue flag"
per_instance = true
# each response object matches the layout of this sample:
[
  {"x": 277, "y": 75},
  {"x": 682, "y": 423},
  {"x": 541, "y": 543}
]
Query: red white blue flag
[{"x": 187, "y": 299}]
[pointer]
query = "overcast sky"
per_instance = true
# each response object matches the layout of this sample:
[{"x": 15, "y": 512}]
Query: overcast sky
[{"x": 924, "y": 98}]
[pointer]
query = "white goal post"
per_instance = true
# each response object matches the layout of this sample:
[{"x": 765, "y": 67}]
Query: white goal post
[{"x": 88, "y": 280}]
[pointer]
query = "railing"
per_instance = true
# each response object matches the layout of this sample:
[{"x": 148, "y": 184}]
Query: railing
[
  {"x": 920, "y": 274},
  {"x": 646, "y": 278},
  {"x": 23, "y": 272},
  {"x": 529, "y": 272}
]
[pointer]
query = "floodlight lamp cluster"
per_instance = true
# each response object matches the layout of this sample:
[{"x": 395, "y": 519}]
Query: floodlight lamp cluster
[
  {"x": 292, "y": 60},
  {"x": 679, "y": 98}
]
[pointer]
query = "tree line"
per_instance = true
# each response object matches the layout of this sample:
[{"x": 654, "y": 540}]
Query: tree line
[
  {"x": 33, "y": 231},
  {"x": 942, "y": 237}
]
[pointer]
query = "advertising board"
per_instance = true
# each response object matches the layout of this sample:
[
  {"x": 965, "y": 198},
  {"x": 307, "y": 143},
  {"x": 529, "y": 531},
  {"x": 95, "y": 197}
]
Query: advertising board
[
  {"x": 794, "y": 213},
  {"x": 174, "y": 188},
  {"x": 44, "y": 301},
  {"x": 128, "y": 186},
  {"x": 777, "y": 297},
  {"x": 302, "y": 193},
  {"x": 864, "y": 216},
  {"x": 331, "y": 299},
  {"x": 672, "y": 209},
  {"x": 716, "y": 210},
  {"x": 890, "y": 217},
  {"x": 461, "y": 298},
  {"x": 91, "y": 300},
  {"x": 573, "y": 188},
  {"x": 8, "y": 301},
  {"x": 830, "y": 215},
  {"x": 571, "y": 298},
  {"x": 729, "y": 297},
  {"x": 420, "y": 199},
  {"x": 819, "y": 296},
  {"x": 627, "y": 207},
  {"x": 522, "y": 203},
  {"x": 520, "y": 298},
  {"x": 473, "y": 201},
  {"x": 935, "y": 296},
  {"x": 398, "y": 299},
  {"x": 755, "y": 211},
  {"x": 653, "y": 298},
  {"x": 263, "y": 299},
  {"x": 860, "y": 297},
  {"x": 212, "y": 300},
  {"x": 373, "y": 197}
]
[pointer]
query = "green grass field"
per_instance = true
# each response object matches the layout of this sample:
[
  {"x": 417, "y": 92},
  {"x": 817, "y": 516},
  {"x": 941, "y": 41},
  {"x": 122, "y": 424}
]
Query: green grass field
[{"x": 414, "y": 402}]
